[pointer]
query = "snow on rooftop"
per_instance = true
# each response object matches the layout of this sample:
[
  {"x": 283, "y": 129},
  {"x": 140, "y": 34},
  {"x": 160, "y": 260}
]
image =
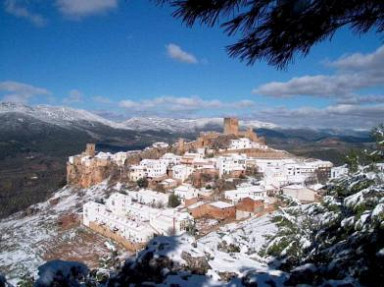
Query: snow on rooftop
[
  {"x": 316, "y": 186},
  {"x": 294, "y": 186},
  {"x": 197, "y": 204},
  {"x": 220, "y": 204}
]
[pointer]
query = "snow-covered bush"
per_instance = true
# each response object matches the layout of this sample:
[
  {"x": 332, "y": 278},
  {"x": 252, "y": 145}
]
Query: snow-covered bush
[{"x": 342, "y": 237}]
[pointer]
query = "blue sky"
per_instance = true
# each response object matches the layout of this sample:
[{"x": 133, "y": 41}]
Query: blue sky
[{"x": 131, "y": 58}]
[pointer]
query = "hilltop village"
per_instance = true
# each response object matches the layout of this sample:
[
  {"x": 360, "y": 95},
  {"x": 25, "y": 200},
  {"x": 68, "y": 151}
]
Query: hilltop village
[{"x": 192, "y": 186}]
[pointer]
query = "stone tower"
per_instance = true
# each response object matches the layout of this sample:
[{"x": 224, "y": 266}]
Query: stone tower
[
  {"x": 90, "y": 149},
  {"x": 231, "y": 126},
  {"x": 181, "y": 146}
]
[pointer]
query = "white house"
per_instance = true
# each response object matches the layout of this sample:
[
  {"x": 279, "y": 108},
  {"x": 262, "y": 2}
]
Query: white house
[
  {"x": 298, "y": 172},
  {"x": 186, "y": 191},
  {"x": 131, "y": 230},
  {"x": 245, "y": 143},
  {"x": 275, "y": 176},
  {"x": 135, "y": 222},
  {"x": 149, "y": 197},
  {"x": 136, "y": 172},
  {"x": 172, "y": 159},
  {"x": 119, "y": 203},
  {"x": 263, "y": 164},
  {"x": 154, "y": 167},
  {"x": 232, "y": 163},
  {"x": 189, "y": 157},
  {"x": 253, "y": 192},
  {"x": 182, "y": 172},
  {"x": 339, "y": 171},
  {"x": 171, "y": 221},
  {"x": 300, "y": 192}
]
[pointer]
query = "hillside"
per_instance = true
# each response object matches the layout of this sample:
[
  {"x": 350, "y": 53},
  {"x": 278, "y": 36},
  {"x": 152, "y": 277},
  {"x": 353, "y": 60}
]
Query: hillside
[{"x": 52, "y": 229}]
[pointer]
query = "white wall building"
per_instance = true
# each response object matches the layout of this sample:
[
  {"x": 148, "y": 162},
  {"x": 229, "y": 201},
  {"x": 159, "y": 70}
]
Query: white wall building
[
  {"x": 154, "y": 167},
  {"x": 338, "y": 171},
  {"x": 189, "y": 157},
  {"x": 300, "y": 192},
  {"x": 186, "y": 191},
  {"x": 182, "y": 172},
  {"x": 172, "y": 159},
  {"x": 119, "y": 203},
  {"x": 275, "y": 177},
  {"x": 254, "y": 192},
  {"x": 135, "y": 222},
  {"x": 131, "y": 230},
  {"x": 118, "y": 158},
  {"x": 136, "y": 172},
  {"x": 149, "y": 197},
  {"x": 245, "y": 143},
  {"x": 263, "y": 164},
  {"x": 232, "y": 163}
]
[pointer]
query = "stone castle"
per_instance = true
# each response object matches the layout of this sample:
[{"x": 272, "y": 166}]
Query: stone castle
[
  {"x": 208, "y": 139},
  {"x": 89, "y": 168}
]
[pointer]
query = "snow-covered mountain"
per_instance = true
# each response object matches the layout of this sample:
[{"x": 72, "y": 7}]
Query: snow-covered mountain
[
  {"x": 65, "y": 116},
  {"x": 62, "y": 116},
  {"x": 186, "y": 125}
]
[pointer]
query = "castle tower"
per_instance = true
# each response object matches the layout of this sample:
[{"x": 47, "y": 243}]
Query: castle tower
[
  {"x": 90, "y": 149},
  {"x": 181, "y": 145},
  {"x": 231, "y": 126}
]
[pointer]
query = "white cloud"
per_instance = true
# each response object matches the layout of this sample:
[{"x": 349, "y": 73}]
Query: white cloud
[
  {"x": 192, "y": 104},
  {"x": 175, "y": 52},
  {"x": 355, "y": 100},
  {"x": 20, "y": 92},
  {"x": 354, "y": 73},
  {"x": 81, "y": 8},
  {"x": 359, "y": 61},
  {"x": 128, "y": 104},
  {"x": 19, "y": 11},
  {"x": 102, "y": 100},
  {"x": 341, "y": 116},
  {"x": 75, "y": 96}
]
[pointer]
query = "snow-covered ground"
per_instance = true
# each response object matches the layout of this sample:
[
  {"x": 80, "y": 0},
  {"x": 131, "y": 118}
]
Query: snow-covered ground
[
  {"x": 228, "y": 256},
  {"x": 23, "y": 238}
]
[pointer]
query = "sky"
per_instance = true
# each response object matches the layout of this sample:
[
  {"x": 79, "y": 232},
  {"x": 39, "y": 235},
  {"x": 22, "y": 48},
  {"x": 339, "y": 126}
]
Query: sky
[{"x": 127, "y": 58}]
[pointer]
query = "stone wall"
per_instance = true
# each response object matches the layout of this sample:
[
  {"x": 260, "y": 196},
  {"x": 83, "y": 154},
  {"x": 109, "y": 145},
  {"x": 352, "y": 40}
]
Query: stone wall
[
  {"x": 85, "y": 176},
  {"x": 207, "y": 210},
  {"x": 105, "y": 231},
  {"x": 260, "y": 153}
]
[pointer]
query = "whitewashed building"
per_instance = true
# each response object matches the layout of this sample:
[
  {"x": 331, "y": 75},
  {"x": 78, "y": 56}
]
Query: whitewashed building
[
  {"x": 149, "y": 197},
  {"x": 136, "y": 222},
  {"x": 245, "y": 143},
  {"x": 339, "y": 171},
  {"x": 254, "y": 192},
  {"x": 136, "y": 172},
  {"x": 133, "y": 231},
  {"x": 186, "y": 191},
  {"x": 300, "y": 192},
  {"x": 154, "y": 167},
  {"x": 229, "y": 164},
  {"x": 182, "y": 172},
  {"x": 171, "y": 158}
]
